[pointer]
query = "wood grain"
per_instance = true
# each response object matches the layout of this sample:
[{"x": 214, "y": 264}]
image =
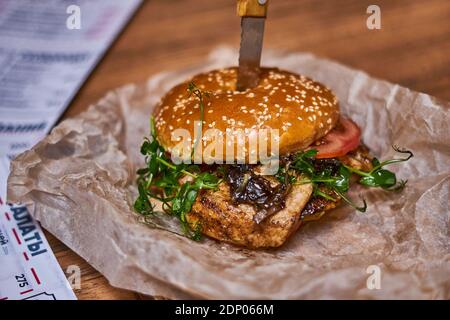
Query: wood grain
[{"x": 412, "y": 49}]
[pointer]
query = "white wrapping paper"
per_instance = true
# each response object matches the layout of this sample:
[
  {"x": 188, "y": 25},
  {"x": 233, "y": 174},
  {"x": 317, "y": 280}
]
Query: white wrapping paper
[{"x": 79, "y": 183}]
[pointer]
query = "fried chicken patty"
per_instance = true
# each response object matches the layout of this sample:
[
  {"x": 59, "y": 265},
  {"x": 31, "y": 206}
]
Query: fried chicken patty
[{"x": 221, "y": 219}]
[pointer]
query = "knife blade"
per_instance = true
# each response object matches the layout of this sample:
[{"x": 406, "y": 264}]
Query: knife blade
[{"x": 253, "y": 13}]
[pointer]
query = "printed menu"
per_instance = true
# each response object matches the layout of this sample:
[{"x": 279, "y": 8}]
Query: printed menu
[{"x": 47, "y": 50}]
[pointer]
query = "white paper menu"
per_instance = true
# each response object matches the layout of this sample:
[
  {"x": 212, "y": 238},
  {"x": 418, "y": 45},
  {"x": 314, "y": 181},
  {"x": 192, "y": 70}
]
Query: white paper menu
[
  {"x": 29, "y": 268},
  {"x": 47, "y": 50}
]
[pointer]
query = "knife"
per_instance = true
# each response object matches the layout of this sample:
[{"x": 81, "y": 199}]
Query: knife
[{"x": 253, "y": 15}]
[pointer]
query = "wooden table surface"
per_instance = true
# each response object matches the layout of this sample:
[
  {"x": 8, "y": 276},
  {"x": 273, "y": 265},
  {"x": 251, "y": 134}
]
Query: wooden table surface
[{"x": 411, "y": 49}]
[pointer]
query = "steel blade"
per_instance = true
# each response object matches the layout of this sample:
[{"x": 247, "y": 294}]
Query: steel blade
[{"x": 252, "y": 29}]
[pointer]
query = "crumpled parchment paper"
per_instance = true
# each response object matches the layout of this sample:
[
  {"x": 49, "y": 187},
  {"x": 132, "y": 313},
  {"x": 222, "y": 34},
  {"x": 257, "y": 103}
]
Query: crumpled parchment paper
[{"x": 79, "y": 183}]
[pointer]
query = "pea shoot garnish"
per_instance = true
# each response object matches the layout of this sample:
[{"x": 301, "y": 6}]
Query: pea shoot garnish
[
  {"x": 160, "y": 178},
  {"x": 382, "y": 178},
  {"x": 334, "y": 177},
  {"x": 194, "y": 90}
]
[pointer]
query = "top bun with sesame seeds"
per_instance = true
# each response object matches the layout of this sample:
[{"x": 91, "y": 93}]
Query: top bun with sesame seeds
[{"x": 301, "y": 109}]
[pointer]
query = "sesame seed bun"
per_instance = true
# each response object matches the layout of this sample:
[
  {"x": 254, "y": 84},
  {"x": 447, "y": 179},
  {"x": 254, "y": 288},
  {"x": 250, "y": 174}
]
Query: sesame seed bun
[{"x": 301, "y": 109}]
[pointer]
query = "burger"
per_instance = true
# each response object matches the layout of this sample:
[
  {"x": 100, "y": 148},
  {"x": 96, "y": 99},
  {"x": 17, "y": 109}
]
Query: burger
[{"x": 319, "y": 156}]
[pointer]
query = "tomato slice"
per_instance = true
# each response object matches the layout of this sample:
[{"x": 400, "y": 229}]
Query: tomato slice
[{"x": 344, "y": 138}]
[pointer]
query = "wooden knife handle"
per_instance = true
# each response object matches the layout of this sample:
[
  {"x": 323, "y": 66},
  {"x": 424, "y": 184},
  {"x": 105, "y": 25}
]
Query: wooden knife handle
[{"x": 252, "y": 8}]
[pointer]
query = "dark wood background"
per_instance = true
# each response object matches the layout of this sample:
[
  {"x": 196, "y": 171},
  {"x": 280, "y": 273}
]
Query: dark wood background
[{"x": 412, "y": 49}]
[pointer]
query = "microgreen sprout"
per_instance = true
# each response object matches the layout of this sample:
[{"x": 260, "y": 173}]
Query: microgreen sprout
[{"x": 161, "y": 179}]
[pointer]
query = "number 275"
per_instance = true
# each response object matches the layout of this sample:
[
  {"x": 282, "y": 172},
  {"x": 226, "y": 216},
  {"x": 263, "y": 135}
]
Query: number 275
[{"x": 21, "y": 280}]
